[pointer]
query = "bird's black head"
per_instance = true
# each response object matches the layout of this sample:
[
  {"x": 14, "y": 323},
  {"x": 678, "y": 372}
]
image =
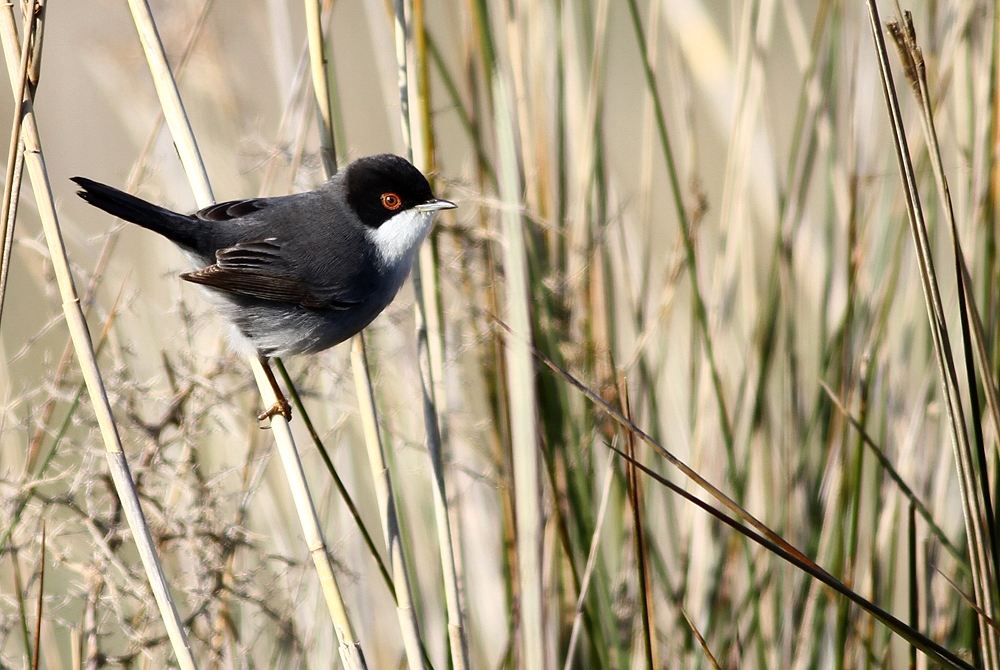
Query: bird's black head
[{"x": 380, "y": 187}]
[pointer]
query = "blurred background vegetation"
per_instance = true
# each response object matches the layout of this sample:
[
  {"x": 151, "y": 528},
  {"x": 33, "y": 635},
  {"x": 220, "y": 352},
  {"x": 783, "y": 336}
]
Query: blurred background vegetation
[{"x": 730, "y": 254}]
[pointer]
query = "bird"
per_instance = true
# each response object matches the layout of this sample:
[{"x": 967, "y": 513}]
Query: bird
[{"x": 297, "y": 274}]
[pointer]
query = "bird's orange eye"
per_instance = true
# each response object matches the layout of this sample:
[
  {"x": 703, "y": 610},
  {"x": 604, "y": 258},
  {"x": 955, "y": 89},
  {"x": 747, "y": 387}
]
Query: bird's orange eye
[{"x": 391, "y": 201}]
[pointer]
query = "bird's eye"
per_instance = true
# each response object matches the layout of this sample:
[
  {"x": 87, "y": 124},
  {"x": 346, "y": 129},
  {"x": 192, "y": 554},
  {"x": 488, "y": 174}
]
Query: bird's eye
[{"x": 391, "y": 201}]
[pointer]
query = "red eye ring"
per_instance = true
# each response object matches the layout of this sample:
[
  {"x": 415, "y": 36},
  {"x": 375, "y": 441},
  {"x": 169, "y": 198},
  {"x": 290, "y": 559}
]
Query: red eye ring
[{"x": 391, "y": 201}]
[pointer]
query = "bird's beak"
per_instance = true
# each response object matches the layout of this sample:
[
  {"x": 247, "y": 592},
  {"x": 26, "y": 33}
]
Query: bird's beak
[{"x": 434, "y": 205}]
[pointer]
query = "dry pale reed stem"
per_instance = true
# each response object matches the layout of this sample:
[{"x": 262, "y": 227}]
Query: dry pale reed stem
[
  {"x": 386, "y": 505},
  {"x": 350, "y": 648},
  {"x": 187, "y": 148},
  {"x": 15, "y": 155},
  {"x": 405, "y": 613},
  {"x": 521, "y": 384},
  {"x": 318, "y": 67},
  {"x": 415, "y": 134},
  {"x": 88, "y": 361},
  {"x": 170, "y": 101}
]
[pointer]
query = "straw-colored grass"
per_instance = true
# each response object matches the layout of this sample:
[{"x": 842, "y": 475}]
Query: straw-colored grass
[{"x": 678, "y": 391}]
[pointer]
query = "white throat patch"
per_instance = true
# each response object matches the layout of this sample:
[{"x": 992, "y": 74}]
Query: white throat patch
[{"x": 398, "y": 238}]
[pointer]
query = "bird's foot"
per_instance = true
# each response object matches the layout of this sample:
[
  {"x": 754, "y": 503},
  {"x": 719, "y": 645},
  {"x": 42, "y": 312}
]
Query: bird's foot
[{"x": 281, "y": 407}]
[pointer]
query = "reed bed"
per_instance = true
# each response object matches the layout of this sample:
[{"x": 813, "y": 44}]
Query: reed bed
[{"x": 700, "y": 374}]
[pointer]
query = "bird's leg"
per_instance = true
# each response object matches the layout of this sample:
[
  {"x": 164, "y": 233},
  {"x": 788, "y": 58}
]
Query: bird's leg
[{"x": 280, "y": 405}]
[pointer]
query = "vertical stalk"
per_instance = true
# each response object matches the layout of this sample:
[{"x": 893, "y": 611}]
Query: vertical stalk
[
  {"x": 80, "y": 335},
  {"x": 318, "y": 60},
  {"x": 15, "y": 154},
  {"x": 416, "y": 133},
  {"x": 386, "y": 506},
  {"x": 528, "y": 509},
  {"x": 983, "y": 570},
  {"x": 177, "y": 121},
  {"x": 170, "y": 100},
  {"x": 388, "y": 514}
]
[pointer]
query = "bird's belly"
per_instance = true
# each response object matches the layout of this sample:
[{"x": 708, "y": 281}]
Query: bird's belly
[{"x": 282, "y": 329}]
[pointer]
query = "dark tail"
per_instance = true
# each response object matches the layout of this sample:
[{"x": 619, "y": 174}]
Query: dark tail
[{"x": 175, "y": 227}]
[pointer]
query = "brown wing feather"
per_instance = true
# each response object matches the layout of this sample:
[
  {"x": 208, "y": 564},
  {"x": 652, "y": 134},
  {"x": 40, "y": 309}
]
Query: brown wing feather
[{"x": 263, "y": 286}]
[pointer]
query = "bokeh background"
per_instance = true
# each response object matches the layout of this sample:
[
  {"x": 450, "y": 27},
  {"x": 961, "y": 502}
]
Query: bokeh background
[{"x": 773, "y": 259}]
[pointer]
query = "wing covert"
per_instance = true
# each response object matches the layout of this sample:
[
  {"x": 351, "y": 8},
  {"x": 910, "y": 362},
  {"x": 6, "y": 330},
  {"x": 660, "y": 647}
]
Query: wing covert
[{"x": 257, "y": 269}]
